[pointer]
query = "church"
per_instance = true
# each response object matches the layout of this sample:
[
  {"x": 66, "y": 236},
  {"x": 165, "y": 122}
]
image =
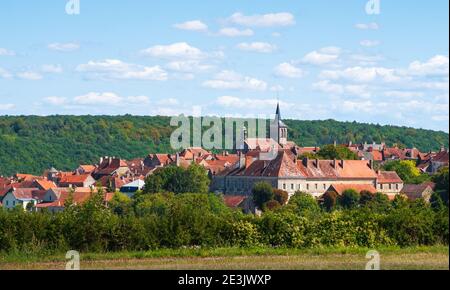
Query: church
[{"x": 291, "y": 174}]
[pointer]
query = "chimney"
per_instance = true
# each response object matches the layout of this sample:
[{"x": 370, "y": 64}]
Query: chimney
[
  {"x": 101, "y": 160},
  {"x": 371, "y": 164},
  {"x": 248, "y": 161},
  {"x": 177, "y": 160},
  {"x": 241, "y": 160},
  {"x": 317, "y": 163},
  {"x": 342, "y": 163}
]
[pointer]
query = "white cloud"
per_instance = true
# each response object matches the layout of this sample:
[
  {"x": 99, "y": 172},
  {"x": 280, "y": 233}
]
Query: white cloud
[
  {"x": 362, "y": 74},
  {"x": 440, "y": 118},
  {"x": 262, "y": 47},
  {"x": 50, "y": 68},
  {"x": 169, "y": 102},
  {"x": 6, "y": 52},
  {"x": 436, "y": 66},
  {"x": 194, "y": 25},
  {"x": 367, "y": 26},
  {"x": 142, "y": 100},
  {"x": 323, "y": 56},
  {"x": 30, "y": 75},
  {"x": 234, "y": 32},
  {"x": 188, "y": 66},
  {"x": 234, "y": 81},
  {"x": 366, "y": 60},
  {"x": 108, "y": 98},
  {"x": 369, "y": 43},
  {"x": 238, "y": 103},
  {"x": 266, "y": 20},
  {"x": 176, "y": 50},
  {"x": 6, "y": 107},
  {"x": 64, "y": 47},
  {"x": 112, "y": 69},
  {"x": 4, "y": 74},
  {"x": 340, "y": 89},
  {"x": 98, "y": 99},
  {"x": 288, "y": 70},
  {"x": 56, "y": 101},
  {"x": 403, "y": 94}
]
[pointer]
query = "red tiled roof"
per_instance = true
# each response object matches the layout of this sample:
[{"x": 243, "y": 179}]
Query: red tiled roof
[
  {"x": 442, "y": 157},
  {"x": 27, "y": 177},
  {"x": 388, "y": 177},
  {"x": 234, "y": 201},
  {"x": 88, "y": 168},
  {"x": 377, "y": 155},
  {"x": 45, "y": 184},
  {"x": 326, "y": 169},
  {"x": 341, "y": 188},
  {"x": 415, "y": 191},
  {"x": 73, "y": 179}
]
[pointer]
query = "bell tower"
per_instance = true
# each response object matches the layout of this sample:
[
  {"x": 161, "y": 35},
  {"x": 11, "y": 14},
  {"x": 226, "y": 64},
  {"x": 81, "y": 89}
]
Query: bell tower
[{"x": 279, "y": 127}]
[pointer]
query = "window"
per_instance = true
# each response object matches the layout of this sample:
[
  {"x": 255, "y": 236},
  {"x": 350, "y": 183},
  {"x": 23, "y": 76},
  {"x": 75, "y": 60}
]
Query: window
[
  {"x": 390, "y": 186},
  {"x": 397, "y": 186},
  {"x": 307, "y": 186},
  {"x": 324, "y": 186},
  {"x": 299, "y": 187},
  {"x": 7, "y": 202},
  {"x": 292, "y": 186},
  {"x": 317, "y": 186},
  {"x": 284, "y": 186}
]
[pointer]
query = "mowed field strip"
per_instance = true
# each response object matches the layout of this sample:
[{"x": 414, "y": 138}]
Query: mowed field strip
[{"x": 391, "y": 260}]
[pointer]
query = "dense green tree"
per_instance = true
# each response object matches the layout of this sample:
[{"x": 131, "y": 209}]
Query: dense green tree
[
  {"x": 407, "y": 171},
  {"x": 339, "y": 152},
  {"x": 178, "y": 180},
  {"x": 441, "y": 178},
  {"x": 304, "y": 204},
  {"x": 366, "y": 197},
  {"x": 262, "y": 193},
  {"x": 281, "y": 196},
  {"x": 330, "y": 200},
  {"x": 349, "y": 199}
]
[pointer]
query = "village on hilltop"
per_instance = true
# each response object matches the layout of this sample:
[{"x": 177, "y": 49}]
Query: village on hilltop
[{"x": 232, "y": 174}]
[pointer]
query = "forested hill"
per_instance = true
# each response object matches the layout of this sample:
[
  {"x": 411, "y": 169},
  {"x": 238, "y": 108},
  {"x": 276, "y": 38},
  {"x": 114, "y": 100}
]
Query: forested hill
[{"x": 31, "y": 144}]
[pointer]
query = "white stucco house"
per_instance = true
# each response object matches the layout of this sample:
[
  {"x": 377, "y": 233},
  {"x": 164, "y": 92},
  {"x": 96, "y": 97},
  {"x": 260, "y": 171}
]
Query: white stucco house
[{"x": 24, "y": 197}]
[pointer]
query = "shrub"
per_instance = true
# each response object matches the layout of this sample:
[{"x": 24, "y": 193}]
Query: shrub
[
  {"x": 281, "y": 196},
  {"x": 349, "y": 199},
  {"x": 330, "y": 200},
  {"x": 262, "y": 193}
]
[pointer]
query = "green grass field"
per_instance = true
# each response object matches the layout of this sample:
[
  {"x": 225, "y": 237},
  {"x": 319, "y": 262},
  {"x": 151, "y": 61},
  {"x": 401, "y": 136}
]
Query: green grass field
[{"x": 430, "y": 258}]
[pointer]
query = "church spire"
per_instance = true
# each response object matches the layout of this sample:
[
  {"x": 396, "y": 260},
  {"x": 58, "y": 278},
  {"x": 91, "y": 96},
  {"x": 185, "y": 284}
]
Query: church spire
[{"x": 277, "y": 113}]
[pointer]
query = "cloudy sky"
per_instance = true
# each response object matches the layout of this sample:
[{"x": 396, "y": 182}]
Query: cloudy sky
[{"x": 324, "y": 59}]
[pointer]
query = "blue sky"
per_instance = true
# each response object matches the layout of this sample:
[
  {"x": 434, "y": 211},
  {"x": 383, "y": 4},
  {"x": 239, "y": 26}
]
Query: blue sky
[{"x": 324, "y": 59}]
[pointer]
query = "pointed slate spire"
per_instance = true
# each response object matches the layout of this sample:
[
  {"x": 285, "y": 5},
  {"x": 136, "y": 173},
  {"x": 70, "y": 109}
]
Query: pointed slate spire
[{"x": 277, "y": 114}]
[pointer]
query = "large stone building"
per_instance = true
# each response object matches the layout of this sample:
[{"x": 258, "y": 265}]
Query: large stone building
[{"x": 288, "y": 173}]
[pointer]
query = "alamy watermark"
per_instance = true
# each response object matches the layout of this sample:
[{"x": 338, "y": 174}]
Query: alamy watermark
[
  {"x": 73, "y": 7},
  {"x": 373, "y": 7},
  {"x": 74, "y": 260},
  {"x": 374, "y": 260},
  {"x": 215, "y": 133}
]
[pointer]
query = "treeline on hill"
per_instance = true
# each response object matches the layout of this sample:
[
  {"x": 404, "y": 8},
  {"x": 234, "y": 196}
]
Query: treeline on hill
[{"x": 31, "y": 144}]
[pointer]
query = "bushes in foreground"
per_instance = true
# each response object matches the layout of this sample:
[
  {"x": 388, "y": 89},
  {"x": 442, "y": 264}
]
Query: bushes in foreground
[{"x": 173, "y": 221}]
